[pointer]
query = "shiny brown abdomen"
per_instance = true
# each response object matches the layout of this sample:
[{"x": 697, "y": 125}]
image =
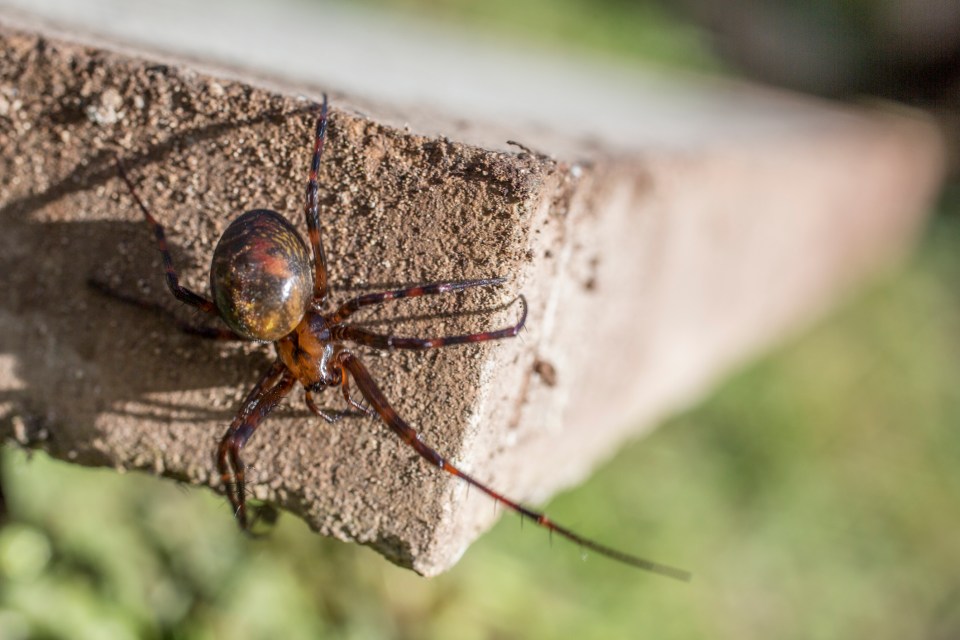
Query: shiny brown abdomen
[{"x": 261, "y": 276}]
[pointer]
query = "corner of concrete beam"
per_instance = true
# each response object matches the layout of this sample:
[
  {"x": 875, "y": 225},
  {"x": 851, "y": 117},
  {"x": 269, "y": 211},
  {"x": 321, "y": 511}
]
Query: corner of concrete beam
[{"x": 647, "y": 276}]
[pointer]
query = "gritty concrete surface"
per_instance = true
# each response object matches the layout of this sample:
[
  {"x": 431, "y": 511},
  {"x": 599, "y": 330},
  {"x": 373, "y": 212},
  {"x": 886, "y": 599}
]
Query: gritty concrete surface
[{"x": 647, "y": 274}]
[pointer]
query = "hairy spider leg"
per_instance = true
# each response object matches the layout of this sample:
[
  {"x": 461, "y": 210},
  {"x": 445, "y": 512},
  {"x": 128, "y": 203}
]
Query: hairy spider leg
[
  {"x": 211, "y": 333},
  {"x": 271, "y": 389},
  {"x": 182, "y": 294},
  {"x": 378, "y": 341},
  {"x": 351, "y": 306},
  {"x": 329, "y": 416},
  {"x": 409, "y": 435},
  {"x": 345, "y": 389},
  {"x": 311, "y": 209}
]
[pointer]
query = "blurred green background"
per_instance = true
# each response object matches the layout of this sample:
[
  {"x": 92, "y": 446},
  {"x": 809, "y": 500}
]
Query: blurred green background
[{"x": 815, "y": 495}]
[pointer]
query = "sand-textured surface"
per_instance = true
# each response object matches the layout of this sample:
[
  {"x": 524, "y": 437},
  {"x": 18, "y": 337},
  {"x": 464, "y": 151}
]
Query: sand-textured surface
[{"x": 647, "y": 276}]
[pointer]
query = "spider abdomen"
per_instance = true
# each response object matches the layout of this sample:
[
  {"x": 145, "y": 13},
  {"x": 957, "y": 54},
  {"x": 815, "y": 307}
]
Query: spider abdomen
[{"x": 261, "y": 276}]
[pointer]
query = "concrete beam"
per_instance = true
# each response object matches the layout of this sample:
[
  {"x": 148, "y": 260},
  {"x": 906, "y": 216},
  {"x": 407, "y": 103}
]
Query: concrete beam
[{"x": 649, "y": 274}]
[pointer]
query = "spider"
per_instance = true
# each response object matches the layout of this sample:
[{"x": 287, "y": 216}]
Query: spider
[{"x": 267, "y": 287}]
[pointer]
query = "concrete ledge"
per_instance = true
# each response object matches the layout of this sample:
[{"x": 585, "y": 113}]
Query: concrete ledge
[{"x": 648, "y": 275}]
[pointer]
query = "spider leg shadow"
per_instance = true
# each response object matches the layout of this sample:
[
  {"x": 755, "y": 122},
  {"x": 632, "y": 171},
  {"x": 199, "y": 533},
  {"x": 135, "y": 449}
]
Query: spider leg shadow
[{"x": 102, "y": 360}]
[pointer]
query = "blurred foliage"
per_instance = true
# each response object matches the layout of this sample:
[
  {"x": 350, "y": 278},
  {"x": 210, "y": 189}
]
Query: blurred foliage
[
  {"x": 815, "y": 495},
  {"x": 633, "y": 30},
  {"x": 908, "y": 50}
]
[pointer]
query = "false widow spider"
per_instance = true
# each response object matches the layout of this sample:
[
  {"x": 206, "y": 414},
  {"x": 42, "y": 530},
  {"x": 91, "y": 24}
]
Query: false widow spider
[{"x": 267, "y": 287}]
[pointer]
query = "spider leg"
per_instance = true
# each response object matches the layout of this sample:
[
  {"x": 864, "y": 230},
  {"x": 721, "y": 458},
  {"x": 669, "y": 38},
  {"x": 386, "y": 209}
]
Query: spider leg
[
  {"x": 378, "y": 341},
  {"x": 345, "y": 388},
  {"x": 173, "y": 281},
  {"x": 262, "y": 399},
  {"x": 379, "y": 402},
  {"x": 350, "y": 306},
  {"x": 310, "y": 208},
  {"x": 329, "y": 416},
  {"x": 213, "y": 333}
]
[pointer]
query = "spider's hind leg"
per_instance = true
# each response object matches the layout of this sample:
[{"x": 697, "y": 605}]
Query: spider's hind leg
[{"x": 181, "y": 293}]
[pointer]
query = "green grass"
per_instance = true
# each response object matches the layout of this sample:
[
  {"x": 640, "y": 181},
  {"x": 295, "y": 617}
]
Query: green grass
[
  {"x": 815, "y": 495},
  {"x": 620, "y": 30}
]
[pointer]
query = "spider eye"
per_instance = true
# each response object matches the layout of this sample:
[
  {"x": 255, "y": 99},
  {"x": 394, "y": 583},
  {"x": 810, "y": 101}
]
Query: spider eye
[{"x": 261, "y": 276}]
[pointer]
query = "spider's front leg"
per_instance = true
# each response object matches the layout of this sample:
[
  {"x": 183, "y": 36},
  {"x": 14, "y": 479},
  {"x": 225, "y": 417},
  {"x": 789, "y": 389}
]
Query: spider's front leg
[
  {"x": 272, "y": 388},
  {"x": 346, "y": 332},
  {"x": 311, "y": 208},
  {"x": 371, "y": 392}
]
